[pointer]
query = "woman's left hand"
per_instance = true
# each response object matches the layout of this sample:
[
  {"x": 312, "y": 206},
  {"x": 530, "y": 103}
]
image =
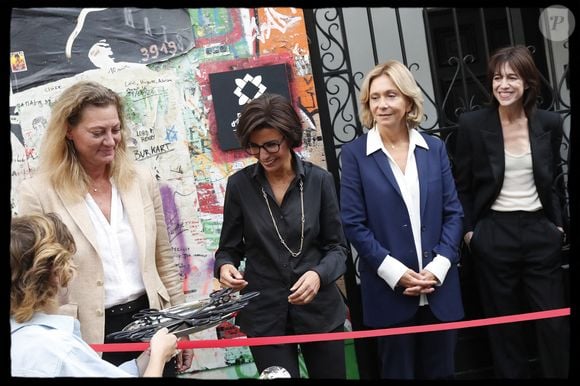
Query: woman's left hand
[
  {"x": 305, "y": 288},
  {"x": 184, "y": 358}
]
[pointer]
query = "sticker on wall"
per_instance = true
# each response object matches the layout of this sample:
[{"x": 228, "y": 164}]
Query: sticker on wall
[
  {"x": 17, "y": 61},
  {"x": 231, "y": 90}
]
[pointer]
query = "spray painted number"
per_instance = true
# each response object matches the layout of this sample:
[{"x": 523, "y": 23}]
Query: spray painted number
[{"x": 153, "y": 51}]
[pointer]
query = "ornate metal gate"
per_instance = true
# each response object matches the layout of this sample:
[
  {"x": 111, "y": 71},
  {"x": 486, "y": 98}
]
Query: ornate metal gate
[{"x": 447, "y": 51}]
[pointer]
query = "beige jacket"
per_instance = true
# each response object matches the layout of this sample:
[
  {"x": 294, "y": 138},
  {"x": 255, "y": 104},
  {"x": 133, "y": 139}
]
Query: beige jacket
[{"x": 145, "y": 211}]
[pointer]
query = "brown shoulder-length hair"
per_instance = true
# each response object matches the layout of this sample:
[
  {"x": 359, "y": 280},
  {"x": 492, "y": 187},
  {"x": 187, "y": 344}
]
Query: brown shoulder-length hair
[
  {"x": 57, "y": 153},
  {"x": 271, "y": 111},
  {"x": 520, "y": 60},
  {"x": 405, "y": 82},
  {"x": 41, "y": 262}
]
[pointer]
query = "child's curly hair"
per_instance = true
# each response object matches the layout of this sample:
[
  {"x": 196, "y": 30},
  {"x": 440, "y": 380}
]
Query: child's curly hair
[{"x": 41, "y": 250}]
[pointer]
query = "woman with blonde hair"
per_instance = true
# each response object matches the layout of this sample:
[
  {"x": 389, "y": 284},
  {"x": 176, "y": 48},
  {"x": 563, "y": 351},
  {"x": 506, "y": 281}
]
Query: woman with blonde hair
[
  {"x": 401, "y": 213},
  {"x": 113, "y": 209}
]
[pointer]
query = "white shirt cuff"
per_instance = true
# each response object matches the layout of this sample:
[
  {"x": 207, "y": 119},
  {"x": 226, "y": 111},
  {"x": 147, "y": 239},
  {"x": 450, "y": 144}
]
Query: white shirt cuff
[
  {"x": 391, "y": 270},
  {"x": 131, "y": 367},
  {"x": 439, "y": 267}
]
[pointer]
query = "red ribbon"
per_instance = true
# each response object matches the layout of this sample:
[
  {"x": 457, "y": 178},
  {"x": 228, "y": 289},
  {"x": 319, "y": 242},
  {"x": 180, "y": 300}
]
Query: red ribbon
[{"x": 238, "y": 342}]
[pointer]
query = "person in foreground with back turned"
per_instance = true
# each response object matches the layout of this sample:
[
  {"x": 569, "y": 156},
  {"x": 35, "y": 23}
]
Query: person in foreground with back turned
[{"x": 44, "y": 343}]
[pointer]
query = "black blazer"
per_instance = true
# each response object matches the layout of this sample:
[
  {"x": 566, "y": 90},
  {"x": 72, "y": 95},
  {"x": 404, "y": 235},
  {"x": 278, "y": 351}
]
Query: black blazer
[{"x": 479, "y": 162}]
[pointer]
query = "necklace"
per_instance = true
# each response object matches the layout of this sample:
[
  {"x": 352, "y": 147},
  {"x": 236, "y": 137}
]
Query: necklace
[
  {"x": 102, "y": 187},
  {"x": 392, "y": 145},
  {"x": 294, "y": 254},
  {"x": 389, "y": 143}
]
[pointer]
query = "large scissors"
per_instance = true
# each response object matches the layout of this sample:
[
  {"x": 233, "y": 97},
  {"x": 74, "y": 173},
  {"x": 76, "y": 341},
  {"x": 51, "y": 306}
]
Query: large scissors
[{"x": 186, "y": 318}]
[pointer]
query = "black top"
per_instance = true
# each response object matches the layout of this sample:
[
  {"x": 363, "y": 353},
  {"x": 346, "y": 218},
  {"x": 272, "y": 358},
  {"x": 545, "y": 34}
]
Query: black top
[{"x": 248, "y": 232}]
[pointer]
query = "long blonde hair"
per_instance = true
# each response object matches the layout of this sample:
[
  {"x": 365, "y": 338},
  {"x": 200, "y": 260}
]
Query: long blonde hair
[
  {"x": 405, "y": 82},
  {"x": 57, "y": 153},
  {"x": 41, "y": 262}
]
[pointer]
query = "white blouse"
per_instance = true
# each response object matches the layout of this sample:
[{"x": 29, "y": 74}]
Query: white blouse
[{"x": 118, "y": 250}]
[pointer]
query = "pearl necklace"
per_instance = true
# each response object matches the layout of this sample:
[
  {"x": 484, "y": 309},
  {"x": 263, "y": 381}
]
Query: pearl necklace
[{"x": 294, "y": 254}]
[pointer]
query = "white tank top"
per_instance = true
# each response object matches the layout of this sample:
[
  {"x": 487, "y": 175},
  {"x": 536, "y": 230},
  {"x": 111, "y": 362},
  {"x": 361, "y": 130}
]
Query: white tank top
[{"x": 518, "y": 191}]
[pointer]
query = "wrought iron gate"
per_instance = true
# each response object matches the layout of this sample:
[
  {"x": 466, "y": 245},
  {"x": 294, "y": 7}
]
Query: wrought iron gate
[{"x": 447, "y": 50}]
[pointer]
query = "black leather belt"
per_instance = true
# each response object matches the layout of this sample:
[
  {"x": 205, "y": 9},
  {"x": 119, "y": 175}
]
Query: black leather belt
[{"x": 133, "y": 306}]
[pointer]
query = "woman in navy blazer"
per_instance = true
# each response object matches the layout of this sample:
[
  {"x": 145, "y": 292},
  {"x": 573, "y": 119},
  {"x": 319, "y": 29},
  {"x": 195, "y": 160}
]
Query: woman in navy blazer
[
  {"x": 401, "y": 213},
  {"x": 506, "y": 166}
]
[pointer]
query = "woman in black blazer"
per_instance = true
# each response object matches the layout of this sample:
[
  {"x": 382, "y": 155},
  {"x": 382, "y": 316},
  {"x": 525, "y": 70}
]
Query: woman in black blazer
[{"x": 506, "y": 165}]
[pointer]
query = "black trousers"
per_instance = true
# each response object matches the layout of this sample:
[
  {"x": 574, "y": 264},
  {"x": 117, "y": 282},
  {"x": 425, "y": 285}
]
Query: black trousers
[
  {"x": 517, "y": 257},
  {"x": 115, "y": 320},
  {"x": 324, "y": 360}
]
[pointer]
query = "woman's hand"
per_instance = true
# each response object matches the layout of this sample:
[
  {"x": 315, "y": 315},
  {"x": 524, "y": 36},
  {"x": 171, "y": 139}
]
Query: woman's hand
[
  {"x": 184, "y": 358},
  {"x": 467, "y": 238},
  {"x": 163, "y": 346},
  {"x": 417, "y": 283},
  {"x": 305, "y": 288},
  {"x": 232, "y": 278}
]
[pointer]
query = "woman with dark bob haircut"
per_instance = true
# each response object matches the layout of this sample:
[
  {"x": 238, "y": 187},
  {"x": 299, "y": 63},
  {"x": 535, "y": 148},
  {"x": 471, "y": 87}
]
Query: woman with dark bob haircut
[
  {"x": 271, "y": 110},
  {"x": 281, "y": 218}
]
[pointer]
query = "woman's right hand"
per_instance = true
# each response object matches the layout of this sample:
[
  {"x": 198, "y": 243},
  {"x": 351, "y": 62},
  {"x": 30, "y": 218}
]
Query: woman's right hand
[
  {"x": 162, "y": 347},
  {"x": 232, "y": 278},
  {"x": 467, "y": 238},
  {"x": 163, "y": 344}
]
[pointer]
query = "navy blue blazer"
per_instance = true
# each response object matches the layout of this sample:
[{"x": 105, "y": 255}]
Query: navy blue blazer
[{"x": 377, "y": 223}]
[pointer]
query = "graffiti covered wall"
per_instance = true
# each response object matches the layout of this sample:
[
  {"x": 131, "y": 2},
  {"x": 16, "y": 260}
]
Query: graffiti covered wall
[{"x": 161, "y": 62}]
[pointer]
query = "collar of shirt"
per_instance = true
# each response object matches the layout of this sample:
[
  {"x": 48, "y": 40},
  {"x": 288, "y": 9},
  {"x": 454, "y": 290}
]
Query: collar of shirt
[
  {"x": 375, "y": 143},
  {"x": 65, "y": 354},
  {"x": 59, "y": 322},
  {"x": 259, "y": 174}
]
